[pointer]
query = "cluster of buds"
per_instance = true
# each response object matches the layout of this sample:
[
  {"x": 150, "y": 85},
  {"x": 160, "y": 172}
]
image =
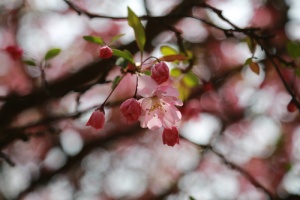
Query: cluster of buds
[{"x": 156, "y": 109}]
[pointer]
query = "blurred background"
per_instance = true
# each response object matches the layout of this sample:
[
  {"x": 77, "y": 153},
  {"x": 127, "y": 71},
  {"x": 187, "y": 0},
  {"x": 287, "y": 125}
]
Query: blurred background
[{"x": 238, "y": 139}]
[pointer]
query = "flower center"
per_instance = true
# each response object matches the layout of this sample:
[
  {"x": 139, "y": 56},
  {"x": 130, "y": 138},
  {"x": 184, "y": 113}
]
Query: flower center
[{"x": 156, "y": 104}]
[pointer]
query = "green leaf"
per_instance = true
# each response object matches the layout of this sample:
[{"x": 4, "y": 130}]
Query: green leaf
[
  {"x": 166, "y": 50},
  {"x": 248, "y": 61},
  {"x": 52, "y": 53},
  {"x": 147, "y": 72},
  {"x": 251, "y": 44},
  {"x": 29, "y": 62},
  {"x": 175, "y": 72},
  {"x": 94, "y": 39},
  {"x": 115, "y": 38},
  {"x": 191, "y": 198},
  {"x": 184, "y": 92},
  {"x": 190, "y": 79},
  {"x": 116, "y": 82},
  {"x": 138, "y": 28},
  {"x": 293, "y": 49},
  {"x": 123, "y": 54}
]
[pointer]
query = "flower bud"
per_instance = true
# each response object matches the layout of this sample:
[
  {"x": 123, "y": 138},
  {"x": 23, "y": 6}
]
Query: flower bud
[
  {"x": 170, "y": 136},
  {"x": 160, "y": 72},
  {"x": 96, "y": 120},
  {"x": 291, "y": 107},
  {"x": 105, "y": 52},
  {"x": 131, "y": 110},
  {"x": 14, "y": 51}
]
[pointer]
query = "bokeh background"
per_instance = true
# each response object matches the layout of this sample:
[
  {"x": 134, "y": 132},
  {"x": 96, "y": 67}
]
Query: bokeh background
[{"x": 238, "y": 140}]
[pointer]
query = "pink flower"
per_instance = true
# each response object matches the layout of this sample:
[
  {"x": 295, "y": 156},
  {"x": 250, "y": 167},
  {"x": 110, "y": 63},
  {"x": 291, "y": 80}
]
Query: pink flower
[
  {"x": 96, "y": 120},
  {"x": 170, "y": 137},
  {"x": 131, "y": 110},
  {"x": 160, "y": 72},
  {"x": 105, "y": 52},
  {"x": 291, "y": 107},
  {"x": 158, "y": 104},
  {"x": 14, "y": 51}
]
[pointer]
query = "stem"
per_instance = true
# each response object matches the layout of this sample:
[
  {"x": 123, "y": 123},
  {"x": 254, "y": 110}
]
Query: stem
[
  {"x": 149, "y": 58},
  {"x": 103, "y": 104},
  {"x": 136, "y": 86}
]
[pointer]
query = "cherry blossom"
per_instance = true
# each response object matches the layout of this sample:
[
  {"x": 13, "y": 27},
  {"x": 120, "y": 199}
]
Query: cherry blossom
[
  {"x": 160, "y": 72},
  {"x": 158, "y": 104},
  {"x": 170, "y": 137},
  {"x": 131, "y": 110},
  {"x": 96, "y": 120},
  {"x": 105, "y": 52}
]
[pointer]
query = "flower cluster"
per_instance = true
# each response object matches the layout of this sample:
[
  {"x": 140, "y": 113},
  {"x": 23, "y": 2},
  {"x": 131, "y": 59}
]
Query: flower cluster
[{"x": 156, "y": 109}]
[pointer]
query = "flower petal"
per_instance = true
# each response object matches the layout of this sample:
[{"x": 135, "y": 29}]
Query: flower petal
[{"x": 146, "y": 86}]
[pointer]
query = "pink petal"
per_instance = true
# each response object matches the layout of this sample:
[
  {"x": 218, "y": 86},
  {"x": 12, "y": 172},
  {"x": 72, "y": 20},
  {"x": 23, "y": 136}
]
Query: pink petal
[{"x": 146, "y": 86}]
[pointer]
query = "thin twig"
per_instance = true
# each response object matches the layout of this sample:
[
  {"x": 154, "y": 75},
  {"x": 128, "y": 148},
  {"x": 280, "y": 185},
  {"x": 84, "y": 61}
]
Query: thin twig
[
  {"x": 7, "y": 159},
  {"x": 242, "y": 171}
]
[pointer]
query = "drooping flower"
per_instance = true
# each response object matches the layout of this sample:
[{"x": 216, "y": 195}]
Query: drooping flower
[
  {"x": 131, "y": 110},
  {"x": 160, "y": 72},
  {"x": 96, "y": 120},
  {"x": 170, "y": 137},
  {"x": 105, "y": 52},
  {"x": 14, "y": 51},
  {"x": 158, "y": 105}
]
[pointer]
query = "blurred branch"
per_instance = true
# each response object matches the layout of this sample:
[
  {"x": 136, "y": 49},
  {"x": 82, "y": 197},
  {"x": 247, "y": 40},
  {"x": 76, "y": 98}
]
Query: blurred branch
[
  {"x": 253, "y": 181},
  {"x": 17, "y": 104},
  {"x": 7, "y": 159},
  {"x": 74, "y": 161}
]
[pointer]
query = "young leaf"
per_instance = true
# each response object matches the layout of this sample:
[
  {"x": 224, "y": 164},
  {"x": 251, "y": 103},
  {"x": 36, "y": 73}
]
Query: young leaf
[
  {"x": 251, "y": 44},
  {"x": 173, "y": 58},
  {"x": 248, "y": 61},
  {"x": 190, "y": 79},
  {"x": 175, "y": 72},
  {"x": 115, "y": 38},
  {"x": 29, "y": 62},
  {"x": 138, "y": 28},
  {"x": 166, "y": 50},
  {"x": 123, "y": 54},
  {"x": 52, "y": 53},
  {"x": 116, "y": 82},
  {"x": 254, "y": 67},
  {"x": 293, "y": 49},
  {"x": 94, "y": 39}
]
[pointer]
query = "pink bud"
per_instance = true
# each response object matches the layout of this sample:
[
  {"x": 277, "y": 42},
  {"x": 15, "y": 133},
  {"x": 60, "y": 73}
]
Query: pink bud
[
  {"x": 14, "y": 51},
  {"x": 160, "y": 72},
  {"x": 105, "y": 52},
  {"x": 291, "y": 107},
  {"x": 131, "y": 110},
  {"x": 170, "y": 136},
  {"x": 96, "y": 120}
]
